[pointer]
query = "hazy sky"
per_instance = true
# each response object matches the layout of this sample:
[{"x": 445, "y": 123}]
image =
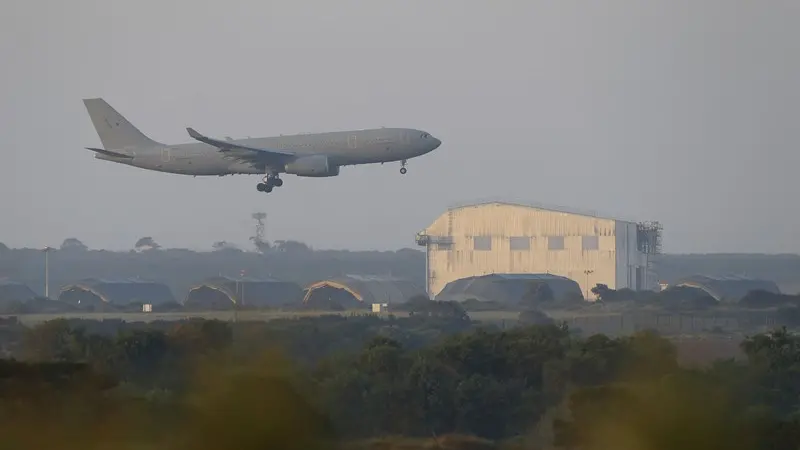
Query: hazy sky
[{"x": 681, "y": 111}]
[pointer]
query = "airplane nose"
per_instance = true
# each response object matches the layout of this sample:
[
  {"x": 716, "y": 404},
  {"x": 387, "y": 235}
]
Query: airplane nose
[{"x": 436, "y": 143}]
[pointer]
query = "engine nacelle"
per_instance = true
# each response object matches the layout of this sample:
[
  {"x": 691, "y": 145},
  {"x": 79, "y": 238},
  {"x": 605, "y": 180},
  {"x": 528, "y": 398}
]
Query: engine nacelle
[{"x": 312, "y": 166}]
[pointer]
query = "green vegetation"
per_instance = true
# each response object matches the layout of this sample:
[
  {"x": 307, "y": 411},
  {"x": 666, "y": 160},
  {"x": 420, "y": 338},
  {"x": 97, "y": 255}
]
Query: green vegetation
[{"x": 434, "y": 379}]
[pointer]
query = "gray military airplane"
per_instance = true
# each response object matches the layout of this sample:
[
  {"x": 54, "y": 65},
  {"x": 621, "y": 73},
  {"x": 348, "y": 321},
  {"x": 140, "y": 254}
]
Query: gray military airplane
[{"x": 305, "y": 155}]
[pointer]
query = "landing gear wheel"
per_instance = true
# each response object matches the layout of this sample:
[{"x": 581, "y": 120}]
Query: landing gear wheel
[
  {"x": 268, "y": 189},
  {"x": 272, "y": 180},
  {"x": 261, "y": 187},
  {"x": 403, "y": 170}
]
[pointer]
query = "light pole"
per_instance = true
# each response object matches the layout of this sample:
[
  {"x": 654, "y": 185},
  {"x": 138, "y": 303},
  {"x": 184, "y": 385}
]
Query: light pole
[
  {"x": 47, "y": 272},
  {"x": 587, "y": 272},
  {"x": 241, "y": 278}
]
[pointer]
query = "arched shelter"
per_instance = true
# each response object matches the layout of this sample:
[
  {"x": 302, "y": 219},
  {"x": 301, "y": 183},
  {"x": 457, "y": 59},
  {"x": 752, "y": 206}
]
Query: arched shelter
[
  {"x": 508, "y": 289},
  {"x": 116, "y": 292},
  {"x": 728, "y": 289},
  {"x": 225, "y": 292},
  {"x": 13, "y": 292},
  {"x": 360, "y": 291}
]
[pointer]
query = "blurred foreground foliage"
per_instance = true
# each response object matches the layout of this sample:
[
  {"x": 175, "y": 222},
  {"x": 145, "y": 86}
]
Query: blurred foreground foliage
[{"x": 371, "y": 383}]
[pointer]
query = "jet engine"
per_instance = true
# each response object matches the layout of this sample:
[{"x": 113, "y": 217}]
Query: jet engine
[{"x": 312, "y": 166}]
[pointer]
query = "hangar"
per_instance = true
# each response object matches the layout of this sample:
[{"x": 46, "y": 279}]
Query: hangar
[
  {"x": 224, "y": 292},
  {"x": 13, "y": 292},
  {"x": 360, "y": 291},
  {"x": 116, "y": 292},
  {"x": 508, "y": 289},
  {"x": 728, "y": 289},
  {"x": 513, "y": 238}
]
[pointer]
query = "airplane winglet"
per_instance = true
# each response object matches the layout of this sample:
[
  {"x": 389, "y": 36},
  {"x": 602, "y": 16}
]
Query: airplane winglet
[{"x": 193, "y": 134}]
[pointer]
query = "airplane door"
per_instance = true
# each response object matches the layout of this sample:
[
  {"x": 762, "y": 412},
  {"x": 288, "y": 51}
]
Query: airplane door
[
  {"x": 165, "y": 155},
  {"x": 351, "y": 141}
]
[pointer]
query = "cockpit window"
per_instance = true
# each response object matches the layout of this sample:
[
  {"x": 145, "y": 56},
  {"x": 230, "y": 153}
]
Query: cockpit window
[{"x": 425, "y": 135}]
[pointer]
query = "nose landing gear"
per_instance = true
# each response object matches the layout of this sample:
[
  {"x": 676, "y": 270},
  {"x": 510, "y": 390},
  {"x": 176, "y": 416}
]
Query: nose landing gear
[
  {"x": 270, "y": 181},
  {"x": 403, "y": 169}
]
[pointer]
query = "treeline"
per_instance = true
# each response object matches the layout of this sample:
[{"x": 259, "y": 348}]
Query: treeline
[{"x": 357, "y": 382}]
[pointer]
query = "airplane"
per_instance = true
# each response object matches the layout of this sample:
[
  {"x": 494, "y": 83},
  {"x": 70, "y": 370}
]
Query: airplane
[{"x": 304, "y": 155}]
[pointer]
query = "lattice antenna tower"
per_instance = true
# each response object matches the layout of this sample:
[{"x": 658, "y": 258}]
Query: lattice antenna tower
[
  {"x": 260, "y": 219},
  {"x": 649, "y": 237}
]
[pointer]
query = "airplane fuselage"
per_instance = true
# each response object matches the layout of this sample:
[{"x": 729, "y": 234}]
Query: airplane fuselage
[
  {"x": 305, "y": 155},
  {"x": 342, "y": 148}
]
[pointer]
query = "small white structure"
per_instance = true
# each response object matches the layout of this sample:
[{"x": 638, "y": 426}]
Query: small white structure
[
  {"x": 147, "y": 308},
  {"x": 380, "y": 307}
]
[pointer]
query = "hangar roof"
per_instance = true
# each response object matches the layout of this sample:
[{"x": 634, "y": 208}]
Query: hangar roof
[
  {"x": 121, "y": 291},
  {"x": 370, "y": 289},
  {"x": 541, "y": 206},
  {"x": 728, "y": 288},
  {"x": 11, "y": 291}
]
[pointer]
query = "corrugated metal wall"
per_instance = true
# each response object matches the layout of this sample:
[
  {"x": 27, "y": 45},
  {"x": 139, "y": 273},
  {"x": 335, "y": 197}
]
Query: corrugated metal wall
[{"x": 473, "y": 227}]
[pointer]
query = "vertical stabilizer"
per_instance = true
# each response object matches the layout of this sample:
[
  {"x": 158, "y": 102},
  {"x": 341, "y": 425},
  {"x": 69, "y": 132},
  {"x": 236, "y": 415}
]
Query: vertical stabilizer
[{"x": 115, "y": 132}]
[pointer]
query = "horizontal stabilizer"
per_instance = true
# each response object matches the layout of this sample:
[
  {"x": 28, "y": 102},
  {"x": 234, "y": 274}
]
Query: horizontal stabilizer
[{"x": 109, "y": 153}]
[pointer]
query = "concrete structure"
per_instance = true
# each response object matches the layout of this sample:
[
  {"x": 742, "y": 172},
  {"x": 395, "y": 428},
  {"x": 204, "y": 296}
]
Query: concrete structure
[
  {"x": 115, "y": 292},
  {"x": 361, "y": 291},
  {"x": 221, "y": 293},
  {"x": 13, "y": 292},
  {"x": 501, "y": 237},
  {"x": 728, "y": 289},
  {"x": 508, "y": 289}
]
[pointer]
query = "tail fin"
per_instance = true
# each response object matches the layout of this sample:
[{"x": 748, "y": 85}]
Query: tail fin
[{"x": 115, "y": 131}]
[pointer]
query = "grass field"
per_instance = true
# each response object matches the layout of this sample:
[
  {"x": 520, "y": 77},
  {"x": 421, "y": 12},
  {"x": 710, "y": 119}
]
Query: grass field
[
  {"x": 266, "y": 315},
  {"x": 32, "y": 319}
]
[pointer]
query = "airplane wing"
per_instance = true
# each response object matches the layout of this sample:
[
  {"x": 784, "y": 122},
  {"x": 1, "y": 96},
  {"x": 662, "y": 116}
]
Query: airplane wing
[{"x": 244, "y": 153}]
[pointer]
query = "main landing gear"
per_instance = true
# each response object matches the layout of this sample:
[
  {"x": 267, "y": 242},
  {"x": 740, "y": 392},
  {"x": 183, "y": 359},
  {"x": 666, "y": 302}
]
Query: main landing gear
[
  {"x": 403, "y": 169},
  {"x": 270, "y": 181}
]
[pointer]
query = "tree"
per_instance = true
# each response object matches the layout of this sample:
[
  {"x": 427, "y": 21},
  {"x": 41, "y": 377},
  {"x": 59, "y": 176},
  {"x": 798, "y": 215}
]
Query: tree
[
  {"x": 420, "y": 305},
  {"x": 292, "y": 247},
  {"x": 253, "y": 407},
  {"x": 73, "y": 244},
  {"x": 604, "y": 293},
  {"x": 684, "y": 411},
  {"x": 54, "y": 340},
  {"x": 140, "y": 354},
  {"x": 146, "y": 243},
  {"x": 534, "y": 317},
  {"x": 261, "y": 246},
  {"x": 224, "y": 246},
  {"x": 537, "y": 293}
]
